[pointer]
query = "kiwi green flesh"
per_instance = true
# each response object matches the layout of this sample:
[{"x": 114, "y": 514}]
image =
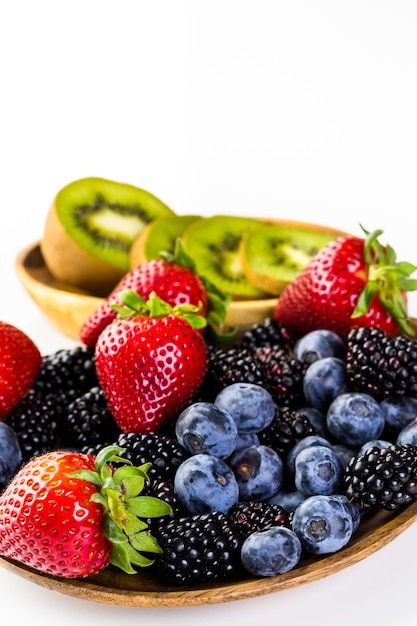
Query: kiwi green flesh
[
  {"x": 214, "y": 245},
  {"x": 104, "y": 217},
  {"x": 281, "y": 252},
  {"x": 161, "y": 236}
]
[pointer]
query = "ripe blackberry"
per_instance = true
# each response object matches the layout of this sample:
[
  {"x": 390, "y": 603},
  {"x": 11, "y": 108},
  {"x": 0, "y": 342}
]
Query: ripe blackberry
[
  {"x": 67, "y": 372},
  {"x": 265, "y": 334},
  {"x": 34, "y": 421},
  {"x": 198, "y": 549},
  {"x": 163, "y": 490},
  {"x": 249, "y": 517},
  {"x": 383, "y": 478},
  {"x": 228, "y": 366},
  {"x": 286, "y": 429},
  {"x": 381, "y": 365},
  {"x": 88, "y": 421},
  {"x": 284, "y": 374},
  {"x": 164, "y": 452}
]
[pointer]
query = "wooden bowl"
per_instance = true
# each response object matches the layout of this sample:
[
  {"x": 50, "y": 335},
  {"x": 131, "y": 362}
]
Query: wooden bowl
[{"x": 67, "y": 308}]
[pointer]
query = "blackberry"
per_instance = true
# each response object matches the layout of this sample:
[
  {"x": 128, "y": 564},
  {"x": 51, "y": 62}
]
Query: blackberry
[
  {"x": 284, "y": 374},
  {"x": 68, "y": 372},
  {"x": 228, "y": 366},
  {"x": 88, "y": 421},
  {"x": 198, "y": 549},
  {"x": 163, "y": 490},
  {"x": 381, "y": 365},
  {"x": 286, "y": 429},
  {"x": 34, "y": 420},
  {"x": 249, "y": 517},
  {"x": 164, "y": 452},
  {"x": 265, "y": 334},
  {"x": 383, "y": 478}
]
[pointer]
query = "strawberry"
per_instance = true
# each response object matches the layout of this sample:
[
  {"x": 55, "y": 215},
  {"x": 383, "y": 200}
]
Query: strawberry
[
  {"x": 69, "y": 514},
  {"x": 151, "y": 362},
  {"x": 20, "y": 361},
  {"x": 352, "y": 281},
  {"x": 173, "y": 278}
]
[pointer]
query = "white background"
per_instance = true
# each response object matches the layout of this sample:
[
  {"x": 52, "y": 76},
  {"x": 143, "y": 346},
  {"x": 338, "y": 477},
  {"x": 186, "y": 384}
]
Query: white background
[{"x": 294, "y": 109}]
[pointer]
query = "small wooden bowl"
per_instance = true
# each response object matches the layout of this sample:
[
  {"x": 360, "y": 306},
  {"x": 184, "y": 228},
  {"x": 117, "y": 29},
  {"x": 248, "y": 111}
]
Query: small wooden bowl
[{"x": 67, "y": 308}]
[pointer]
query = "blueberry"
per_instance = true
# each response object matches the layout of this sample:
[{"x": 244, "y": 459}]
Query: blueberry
[
  {"x": 408, "y": 434},
  {"x": 251, "y": 406},
  {"x": 319, "y": 344},
  {"x": 10, "y": 453},
  {"x": 398, "y": 412},
  {"x": 305, "y": 442},
  {"x": 246, "y": 439},
  {"x": 204, "y": 428},
  {"x": 289, "y": 500},
  {"x": 323, "y": 381},
  {"x": 323, "y": 524},
  {"x": 203, "y": 483},
  {"x": 345, "y": 453},
  {"x": 355, "y": 509},
  {"x": 355, "y": 418},
  {"x": 259, "y": 472},
  {"x": 318, "y": 471},
  {"x": 269, "y": 552}
]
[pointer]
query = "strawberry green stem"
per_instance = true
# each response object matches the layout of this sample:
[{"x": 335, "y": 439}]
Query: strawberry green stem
[{"x": 125, "y": 510}]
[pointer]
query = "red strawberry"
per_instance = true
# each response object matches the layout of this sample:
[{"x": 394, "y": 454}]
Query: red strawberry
[
  {"x": 352, "y": 281},
  {"x": 68, "y": 514},
  {"x": 20, "y": 361},
  {"x": 150, "y": 365}
]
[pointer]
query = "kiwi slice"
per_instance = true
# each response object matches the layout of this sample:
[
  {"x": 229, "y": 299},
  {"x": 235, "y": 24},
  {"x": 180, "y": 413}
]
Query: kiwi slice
[
  {"x": 273, "y": 255},
  {"x": 214, "y": 245},
  {"x": 90, "y": 228},
  {"x": 159, "y": 235}
]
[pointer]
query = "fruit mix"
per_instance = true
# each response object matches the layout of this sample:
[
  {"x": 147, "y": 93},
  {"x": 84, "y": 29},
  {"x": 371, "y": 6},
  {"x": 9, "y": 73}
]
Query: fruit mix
[{"x": 167, "y": 441}]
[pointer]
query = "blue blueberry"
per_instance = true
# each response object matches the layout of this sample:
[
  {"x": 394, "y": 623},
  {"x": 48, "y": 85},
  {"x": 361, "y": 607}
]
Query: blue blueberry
[
  {"x": 288, "y": 499},
  {"x": 345, "y": 453},
  {"x": 246, "y": 439},
  {"x": 259, "y": 472},
  {"x": 398, "y": 412},
  {"x": 354, "y": 418},
  {"x": 323, "y": 524},
  {"x": 323, "y": 381},
  {"x": 204, "y": 428},
  {"x": 203, "y": 483},
  {"x": 251, "y": 406},
  {"x": 355, "y": 509},
  {"x": 408, "y": 434},
  {"x": 10, "y": 454},
  {"x": 270, "y": 552},
  {"x": 318, "y": 471},
  {"x": 305, "y": 442},
  {"x": 319, "y": 344}
]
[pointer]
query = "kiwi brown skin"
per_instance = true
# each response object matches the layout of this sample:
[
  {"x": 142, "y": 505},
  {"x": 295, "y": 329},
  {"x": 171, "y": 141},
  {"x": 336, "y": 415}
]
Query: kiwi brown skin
[
  {"x": 90, "y": 228},
  {"x": 73, "y": 265}
]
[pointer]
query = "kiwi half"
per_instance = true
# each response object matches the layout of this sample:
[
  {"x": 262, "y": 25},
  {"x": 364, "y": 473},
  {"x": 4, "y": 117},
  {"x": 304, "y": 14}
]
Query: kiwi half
[
  {"x": 90, "y": 228},
  {"x": 159, "y": 235},
  {"x": 272, "y": 255},
  {"x": 214, "y": 245}
]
